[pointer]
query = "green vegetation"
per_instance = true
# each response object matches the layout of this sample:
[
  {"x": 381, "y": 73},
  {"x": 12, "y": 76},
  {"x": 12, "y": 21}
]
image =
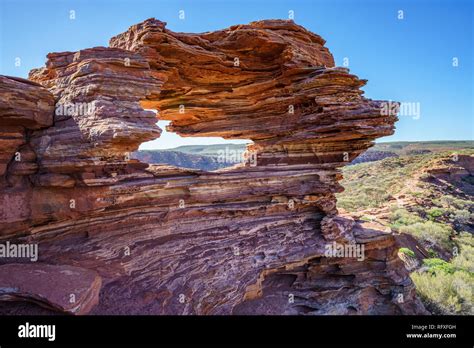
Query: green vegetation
[
  {"x": 447, "y": 287},
  {"x": 445, "y": 293},
  {"x": 431, "y": 232},
  {"x": 407, "y": 252},
  {"x": 401, "y": 217},
  {"x": 372, "y": 184},
  {"x": 434, "y": 213},
  {"x": 438, "y": 215},
  {"x": 465, "y": 259},
  {"x": 448, "y": 201},
  {"x": 409, "y": 147},
  {"x": 436, "y": 265},
  {"x": 464, "y": 238}
]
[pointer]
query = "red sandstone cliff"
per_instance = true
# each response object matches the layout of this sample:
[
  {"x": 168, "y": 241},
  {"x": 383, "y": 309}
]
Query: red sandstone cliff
[{"x": 164, "y": 240}]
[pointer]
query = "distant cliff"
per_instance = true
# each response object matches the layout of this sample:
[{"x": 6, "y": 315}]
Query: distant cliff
[
  {"x": 179, "y": 159},
  {"x": 208, "y": 157}
]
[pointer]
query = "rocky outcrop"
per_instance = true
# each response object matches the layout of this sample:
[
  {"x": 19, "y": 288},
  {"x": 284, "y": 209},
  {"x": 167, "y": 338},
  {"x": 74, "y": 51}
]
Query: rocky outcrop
[
  {"x": 24, "y": 106},
  {"x": 169, "y": 240},
  {"x": 372, "y": 156},
  {"x": 456, "y": 168}
]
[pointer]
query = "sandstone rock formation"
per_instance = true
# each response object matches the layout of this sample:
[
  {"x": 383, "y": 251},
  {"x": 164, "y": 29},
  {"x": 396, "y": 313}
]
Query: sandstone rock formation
[
  {"x": 24, "y": 106},
  {"x": 250, "y": 239},
  {"x": 68, "y": 289}
]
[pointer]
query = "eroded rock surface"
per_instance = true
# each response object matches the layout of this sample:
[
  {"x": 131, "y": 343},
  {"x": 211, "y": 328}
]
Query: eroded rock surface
[
  {"x": 68, "y": 289},
  {"x": 169, "y": 240},
  {"x": 24, "y": 106}
]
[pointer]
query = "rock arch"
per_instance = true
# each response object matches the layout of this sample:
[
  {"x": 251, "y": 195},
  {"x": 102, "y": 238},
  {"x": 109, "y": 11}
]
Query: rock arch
[{"x": 223, "y": 241}]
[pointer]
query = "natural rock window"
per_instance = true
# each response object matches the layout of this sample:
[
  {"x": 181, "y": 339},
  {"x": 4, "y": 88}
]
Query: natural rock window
[
  {"x": 164, "y": 240},
  {"x": 202, "y": 153}
]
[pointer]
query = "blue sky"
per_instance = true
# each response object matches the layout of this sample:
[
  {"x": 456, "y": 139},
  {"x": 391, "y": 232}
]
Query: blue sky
[{"x": 408, "y": 60}]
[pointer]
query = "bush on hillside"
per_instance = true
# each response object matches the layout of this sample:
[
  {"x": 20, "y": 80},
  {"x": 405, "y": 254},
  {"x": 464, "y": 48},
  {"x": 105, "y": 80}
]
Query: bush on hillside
[
  {"x": 431, "y": 232},
  {"x": 446, "y": 287},
  {"x": 445, "y": 293}
]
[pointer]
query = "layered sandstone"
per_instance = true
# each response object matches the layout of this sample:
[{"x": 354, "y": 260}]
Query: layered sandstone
[
  {"x": 168, "y": 240},
  {"x": 24, "y": 106}
]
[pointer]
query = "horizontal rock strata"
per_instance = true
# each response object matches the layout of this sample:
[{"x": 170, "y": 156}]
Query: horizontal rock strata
[
  {"x": 24, "y": 106},
  {"x": 169, "y": 240}
]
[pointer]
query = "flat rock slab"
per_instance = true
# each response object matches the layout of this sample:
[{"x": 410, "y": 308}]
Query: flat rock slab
[{"x": 64, "y": 288}]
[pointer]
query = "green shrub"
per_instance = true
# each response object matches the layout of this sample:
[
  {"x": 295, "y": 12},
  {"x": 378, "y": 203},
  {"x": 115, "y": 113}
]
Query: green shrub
[
  {"x": 434, "y": 213},
  {"x": 465, "y": 259},
  {"x": 464, "y": 238},
  {"x": 463, "y": 216},
  {"x": 401, "y": 217},
  {"x": 430, "y": 231},
  {"x": 407, "y": 252},
  {"x": 447, "y": 287},
  {"x": 453, "y": 202},
  {"x": 445, "y": 293},
  {"x": 436, "y": 265}
]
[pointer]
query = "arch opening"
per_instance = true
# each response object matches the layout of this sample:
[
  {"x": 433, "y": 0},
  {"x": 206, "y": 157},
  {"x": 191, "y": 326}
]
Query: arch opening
[{"x": 204, "y": 153}]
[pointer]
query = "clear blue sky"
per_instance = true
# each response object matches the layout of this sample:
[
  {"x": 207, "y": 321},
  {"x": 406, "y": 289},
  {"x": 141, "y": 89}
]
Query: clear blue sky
[{"x": 408, "y": 60}]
